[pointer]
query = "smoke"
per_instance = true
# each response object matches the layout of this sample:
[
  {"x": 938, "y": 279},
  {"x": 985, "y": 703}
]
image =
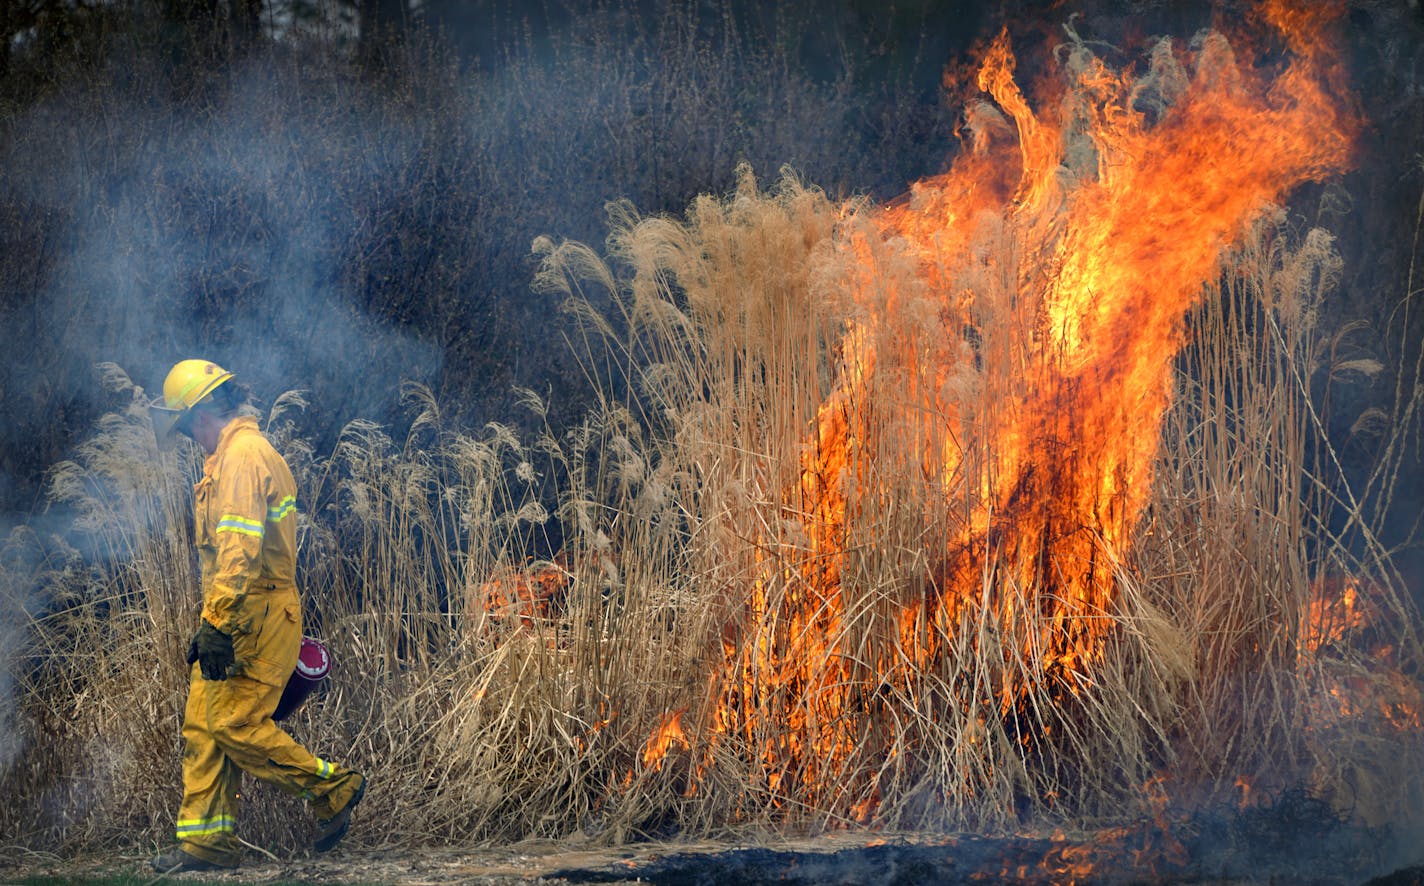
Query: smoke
[
  {"x": 240, "y": 230},
  {"x": 222, "y": 235},
  {"x": 13, "y": 619},
  {"x": 22, "y": 561},
  {"x": 309, "y": 229}
]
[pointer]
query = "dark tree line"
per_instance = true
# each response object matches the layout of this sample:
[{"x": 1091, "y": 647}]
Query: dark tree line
[{"x": 341, "y": 195}]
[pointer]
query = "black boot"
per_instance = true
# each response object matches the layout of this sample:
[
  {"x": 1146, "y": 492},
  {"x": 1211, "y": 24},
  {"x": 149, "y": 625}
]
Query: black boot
[
  {"x": 334, "y": 828},
  {"x": 177, "y": 861}
]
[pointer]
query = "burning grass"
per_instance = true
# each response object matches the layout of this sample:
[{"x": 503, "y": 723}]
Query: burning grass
[{"x": 888, "y": 517}]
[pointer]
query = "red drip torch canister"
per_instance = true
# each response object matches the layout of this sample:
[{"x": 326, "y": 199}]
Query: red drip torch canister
[{"x": 313, "y": 663}]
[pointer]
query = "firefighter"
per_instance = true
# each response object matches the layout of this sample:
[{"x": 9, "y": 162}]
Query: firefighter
[{"x": 250, "y": 632}]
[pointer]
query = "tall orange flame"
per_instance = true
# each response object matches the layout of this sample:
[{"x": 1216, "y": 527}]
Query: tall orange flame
[{"x": 1117, "y": 199}]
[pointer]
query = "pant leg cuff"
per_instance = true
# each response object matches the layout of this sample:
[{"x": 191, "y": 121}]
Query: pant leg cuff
[{"x": 211, "y": 855}]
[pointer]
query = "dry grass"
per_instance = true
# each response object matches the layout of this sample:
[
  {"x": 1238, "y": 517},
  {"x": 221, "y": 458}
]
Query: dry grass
[
  {"x": 838, "y": 642},
  {"x": 1209, "y": 676},
  {"x": 687, "y": 550}
]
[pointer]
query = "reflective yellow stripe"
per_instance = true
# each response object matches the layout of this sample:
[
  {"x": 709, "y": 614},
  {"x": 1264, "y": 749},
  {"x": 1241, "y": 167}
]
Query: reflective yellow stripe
[
  {"x": 241, "y": 525},
  {"x": 284, "y": 507},
  {"x": 197, "y": 827},
  {"x": 323, "y": 768}
]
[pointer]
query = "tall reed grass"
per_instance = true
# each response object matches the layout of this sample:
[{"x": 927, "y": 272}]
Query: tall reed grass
[{"x": 493, "y": 696}]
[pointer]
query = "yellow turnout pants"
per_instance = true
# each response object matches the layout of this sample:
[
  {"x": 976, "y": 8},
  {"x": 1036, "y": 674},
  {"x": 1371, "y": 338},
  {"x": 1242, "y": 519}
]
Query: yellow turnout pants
[{"x": 228, "y": 730}]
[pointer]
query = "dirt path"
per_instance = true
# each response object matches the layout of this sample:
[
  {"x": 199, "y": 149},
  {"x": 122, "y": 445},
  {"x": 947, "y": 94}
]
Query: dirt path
[
  {"x": 1210, "y": 855},
  {"x": 522, "y": 863}
]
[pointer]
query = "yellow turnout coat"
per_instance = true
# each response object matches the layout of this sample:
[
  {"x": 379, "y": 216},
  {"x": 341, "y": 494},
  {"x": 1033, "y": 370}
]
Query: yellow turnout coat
[{"x": 245, "y": 529}]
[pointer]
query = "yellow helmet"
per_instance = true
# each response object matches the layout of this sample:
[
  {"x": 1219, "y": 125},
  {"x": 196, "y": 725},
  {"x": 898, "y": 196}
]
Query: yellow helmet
[{"x": 187, "y": 384}]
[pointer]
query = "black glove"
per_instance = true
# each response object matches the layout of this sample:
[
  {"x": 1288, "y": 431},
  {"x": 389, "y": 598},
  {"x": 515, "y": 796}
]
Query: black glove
[
  {"x": 193, "y": 651},
  {"x": 213, "y": 651}
]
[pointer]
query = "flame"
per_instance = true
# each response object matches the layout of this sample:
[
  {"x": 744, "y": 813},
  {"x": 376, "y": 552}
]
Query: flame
[
  {"x": 1340, "y": 609},
  {"x": 1336, "y": 609},
  {"x": 668, "y": 734},
  {"x": 530, "y": 595},
  {"x": 1243, "y": 784},
  {"x": 1143, "y": 852},
  {"x": 1118, "y": 194}
]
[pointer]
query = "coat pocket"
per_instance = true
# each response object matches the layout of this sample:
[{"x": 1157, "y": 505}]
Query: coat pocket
[{"x": 269, "y": 653}]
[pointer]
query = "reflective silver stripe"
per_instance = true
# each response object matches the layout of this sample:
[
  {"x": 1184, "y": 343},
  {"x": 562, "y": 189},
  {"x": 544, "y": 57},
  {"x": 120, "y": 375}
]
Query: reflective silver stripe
[
  {"x": 240, "y": 525},
  {"x": 284, "y": 507},
  {"x": 323, "y": 768}
]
